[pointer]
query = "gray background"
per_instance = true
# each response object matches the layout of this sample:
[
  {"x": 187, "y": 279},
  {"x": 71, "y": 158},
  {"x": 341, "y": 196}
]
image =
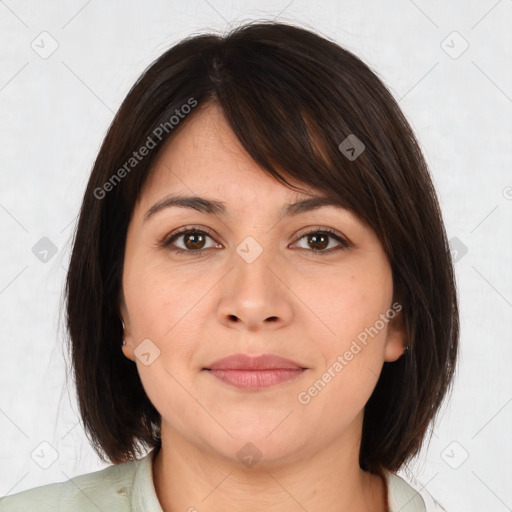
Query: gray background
[{"x": 57, "y": 106}]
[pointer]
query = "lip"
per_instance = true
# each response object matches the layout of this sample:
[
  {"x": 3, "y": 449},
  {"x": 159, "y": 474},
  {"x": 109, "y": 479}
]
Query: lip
[
  {"x": 261, "y": 362},
  {"x": 255, "y": 372}
]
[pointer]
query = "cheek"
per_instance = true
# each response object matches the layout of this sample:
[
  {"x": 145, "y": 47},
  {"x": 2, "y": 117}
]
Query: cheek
[
  {"x": 354, "y": 309},
  {"x": 170, "y": 306},
  {"x": 161, "y": 300},
  {"x": 351, "y": 363},
  {"x": 165, "y": 310},
  {"x": 348, "y": 303}
]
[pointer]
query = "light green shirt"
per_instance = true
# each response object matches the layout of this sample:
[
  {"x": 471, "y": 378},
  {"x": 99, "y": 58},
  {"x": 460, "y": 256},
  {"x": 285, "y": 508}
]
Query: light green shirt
[{"x": 128, "y": 487}]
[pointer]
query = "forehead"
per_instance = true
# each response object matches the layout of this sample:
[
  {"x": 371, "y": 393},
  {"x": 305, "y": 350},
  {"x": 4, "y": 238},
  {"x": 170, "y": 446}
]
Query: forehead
[
  {"x": 204, "y": 162},
  {"x": 206, "y": 158}
]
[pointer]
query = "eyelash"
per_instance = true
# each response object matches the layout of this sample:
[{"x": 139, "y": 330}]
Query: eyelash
[{"x": 167, "y": 240}]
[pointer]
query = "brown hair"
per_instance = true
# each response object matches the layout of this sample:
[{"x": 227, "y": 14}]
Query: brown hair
[{"x": 291, "y": 97}]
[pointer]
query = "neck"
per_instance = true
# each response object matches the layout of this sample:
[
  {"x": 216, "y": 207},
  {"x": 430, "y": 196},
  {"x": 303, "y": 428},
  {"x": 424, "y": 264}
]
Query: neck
[{"x": 188, "y": 477}]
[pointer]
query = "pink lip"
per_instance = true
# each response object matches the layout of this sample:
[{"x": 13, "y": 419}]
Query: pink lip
[
  {"x": 246, "y": 362},
  {"x": 253, "y": 373}
]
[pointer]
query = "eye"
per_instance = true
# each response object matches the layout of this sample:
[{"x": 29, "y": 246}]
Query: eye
[
  {"x": 319, "y": 241},
  {"x": 193, "y": 241}
]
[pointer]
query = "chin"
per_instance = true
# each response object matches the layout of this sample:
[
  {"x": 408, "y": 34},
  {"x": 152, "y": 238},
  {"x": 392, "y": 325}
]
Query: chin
[{"x": 252, "y": 445}]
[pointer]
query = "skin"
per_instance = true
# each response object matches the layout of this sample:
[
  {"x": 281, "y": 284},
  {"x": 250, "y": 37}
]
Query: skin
[{"x": 196, "y": 309}]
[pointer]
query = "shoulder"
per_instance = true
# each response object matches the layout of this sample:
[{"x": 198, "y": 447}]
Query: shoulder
[
  {"x": 404, "y": 498},
  {"x": 106, "y": 489}
]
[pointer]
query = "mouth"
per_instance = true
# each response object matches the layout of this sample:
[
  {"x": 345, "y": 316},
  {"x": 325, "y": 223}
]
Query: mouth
[
  {"x": 254, "y": 380},
  {"x": 255, "y": 373}
]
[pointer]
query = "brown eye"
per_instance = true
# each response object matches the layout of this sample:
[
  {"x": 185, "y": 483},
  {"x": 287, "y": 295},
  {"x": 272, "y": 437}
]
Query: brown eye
[
  {"x": 193, "y": 240},
  {"x": 318, "y": 241},
  {"x": 190, "y": 241}
]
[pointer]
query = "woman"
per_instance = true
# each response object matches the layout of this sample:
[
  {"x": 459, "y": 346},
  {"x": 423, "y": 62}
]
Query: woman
[{"x": 261, "y": 232}]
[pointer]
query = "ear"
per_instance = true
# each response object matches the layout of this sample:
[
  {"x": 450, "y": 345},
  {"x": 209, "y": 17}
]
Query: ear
[
  {"x": 127, "y": 336},
  {"x": 396, "y": 339}
]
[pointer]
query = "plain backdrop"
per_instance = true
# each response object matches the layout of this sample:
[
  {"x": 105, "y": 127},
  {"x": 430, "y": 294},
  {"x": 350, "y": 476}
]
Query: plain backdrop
[{"x": 66, "y": 67}]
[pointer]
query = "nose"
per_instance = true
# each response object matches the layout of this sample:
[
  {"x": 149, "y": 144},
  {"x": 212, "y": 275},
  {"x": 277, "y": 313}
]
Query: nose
[{"x": 254, "y": 294}]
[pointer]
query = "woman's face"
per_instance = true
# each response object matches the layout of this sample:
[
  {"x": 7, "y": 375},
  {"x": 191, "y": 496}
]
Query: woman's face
[{"x": 260, "y": 285}]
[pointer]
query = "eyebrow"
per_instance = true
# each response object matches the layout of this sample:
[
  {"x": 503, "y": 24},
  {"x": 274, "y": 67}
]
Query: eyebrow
[{"x": 213, "y": 207}]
